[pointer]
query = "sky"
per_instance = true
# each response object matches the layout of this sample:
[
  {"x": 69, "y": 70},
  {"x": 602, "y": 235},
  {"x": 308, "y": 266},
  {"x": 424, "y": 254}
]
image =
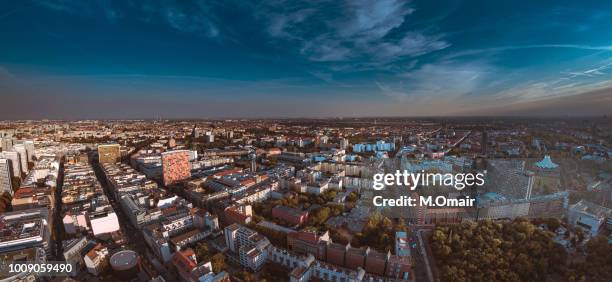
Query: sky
[{"x": 274, "y": 58}]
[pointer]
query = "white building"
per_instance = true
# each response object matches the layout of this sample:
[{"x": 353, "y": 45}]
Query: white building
[
  {"x": 250, "y": 246},
  {"x": 105, "y": 224},
  {"x": 23, "y": 156},
  {"x": 6, "y": 176},
  {"x": 15, "y": 162}
]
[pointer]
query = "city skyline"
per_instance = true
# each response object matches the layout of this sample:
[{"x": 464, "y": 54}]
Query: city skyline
[{"x": 221, "y": 59}]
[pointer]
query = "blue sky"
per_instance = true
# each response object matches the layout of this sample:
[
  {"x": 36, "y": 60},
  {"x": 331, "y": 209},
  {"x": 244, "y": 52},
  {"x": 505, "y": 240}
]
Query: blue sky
[{"x": 133, "y": 59}]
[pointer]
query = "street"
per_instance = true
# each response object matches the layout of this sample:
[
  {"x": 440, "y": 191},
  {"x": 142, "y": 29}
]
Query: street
[{"x": 134, "y": 236}]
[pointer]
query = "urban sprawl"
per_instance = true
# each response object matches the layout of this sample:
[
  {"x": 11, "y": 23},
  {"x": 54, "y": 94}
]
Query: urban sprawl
[{"x": 294, "y": 199}]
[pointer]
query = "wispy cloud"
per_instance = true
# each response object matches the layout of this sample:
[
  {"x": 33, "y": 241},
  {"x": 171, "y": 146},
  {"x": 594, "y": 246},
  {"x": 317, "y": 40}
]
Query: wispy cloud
[
  {"x": 445, "y": 80},
  {"x": 492, "y": 50},
  {"x": 190, "y": 22},
  {"x": 363, "y": 30},
  {"x": 569, "y": 83}
]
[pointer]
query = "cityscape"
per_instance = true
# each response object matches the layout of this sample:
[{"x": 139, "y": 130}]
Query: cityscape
[
  {"x": 291, "y": 199},
  {"x": 275, "y": 140}
]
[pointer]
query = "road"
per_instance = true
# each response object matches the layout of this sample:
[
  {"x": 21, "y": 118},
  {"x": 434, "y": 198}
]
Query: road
[
  {"x": 423, "y": 256},
  {"x": 57, "y": 216},
  {"x": 422, "y": 265},
  {"x": 134, "y": 236}
]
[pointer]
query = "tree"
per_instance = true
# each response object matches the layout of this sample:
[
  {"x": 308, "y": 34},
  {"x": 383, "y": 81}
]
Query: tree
[
  {"x": 202, "y": 252},
  {"x": 352, "y": 197},
  {"x": 218, "y": 262},
  {"x": 246, "y": 276},
  {"x": 319, "y": 217},
  {"x": 487, "y": 250}
]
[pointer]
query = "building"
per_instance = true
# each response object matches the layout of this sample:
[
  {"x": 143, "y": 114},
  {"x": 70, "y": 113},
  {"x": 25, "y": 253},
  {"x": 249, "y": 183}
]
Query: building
[
  {"x": 72, "y": 250},
  {"x": 188, "y": 268},
  {"x": 484, "y": 142},
  {"x": 7, "y": 144},
  {"x": 96, "y": 260},
  {"x": 510, "y": 178},
  {"x": 125, "y": 264},
  {"x": 210, "y": 137},
  {"x": 402, "y": 247},
  {"x": 104, "y": 223},
  {"x": 373, "y": 262},
  {"x": 241, "y": 214},
  {"x": 33, "y": 197},
  {"x": 23, "y": 157},
  {"x": 25, "y": 229},
  {"x": 290, "y": 215},
  {"x": 304, "y": 242},
  {"x": 6, "y": 176},
  {"x": 588, "y": 216},
  {"x": 250, "y": 246},
  {"x": 15, "y": 160},
  {"x": 109, "y": 153},
  {"x": 344, "y": 143},
  {"x": 30, "y": 150},
  {"x": 175, "y": 166}
]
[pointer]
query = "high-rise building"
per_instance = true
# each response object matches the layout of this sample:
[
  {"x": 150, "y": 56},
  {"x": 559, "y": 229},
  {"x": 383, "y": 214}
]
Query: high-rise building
[
  {"x": 109, "y": 153},
  {"x": 6, "y": 175},
  {"x": 15, "y": 161},
  {"x": 253, "y": 160},
  {"x": 344, "y": 143},
  {"x": 175, "y": 166},
  {"x": 250, "y": 246},
  {"x": 23, "y": 156},
  {"x": 29, "y": 146},
  {"x": 7, "y": 144}
]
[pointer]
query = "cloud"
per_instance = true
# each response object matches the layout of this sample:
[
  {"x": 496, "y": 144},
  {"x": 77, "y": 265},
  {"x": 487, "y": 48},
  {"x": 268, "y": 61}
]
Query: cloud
[
  {"x": 280, "y": 25},
  {"x": 591, "y": 103},
  {"x": 444, "y": 80},
  {"x": 348, "y": 31},
  {"x": 570, "y": 83},
  {"x": 491, "y": 50},
  {"x": 190, "y": 22}
]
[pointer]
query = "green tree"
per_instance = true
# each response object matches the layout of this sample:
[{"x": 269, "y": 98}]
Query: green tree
[{"x": 218, "y": 262}]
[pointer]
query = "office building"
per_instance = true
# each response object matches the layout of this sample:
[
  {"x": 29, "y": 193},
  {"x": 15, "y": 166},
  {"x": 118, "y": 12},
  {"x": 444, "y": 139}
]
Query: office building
[
  {"x": 250, "y": 246},
  {"x": 15, "y": 161},
  {"x": 23, "y": 156},
  {"x": 73, "y": 249},
  {"x": 175, "y": 166},
  {"x": 109, "y": 153},
  {"x": 6, "y": 176}
]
